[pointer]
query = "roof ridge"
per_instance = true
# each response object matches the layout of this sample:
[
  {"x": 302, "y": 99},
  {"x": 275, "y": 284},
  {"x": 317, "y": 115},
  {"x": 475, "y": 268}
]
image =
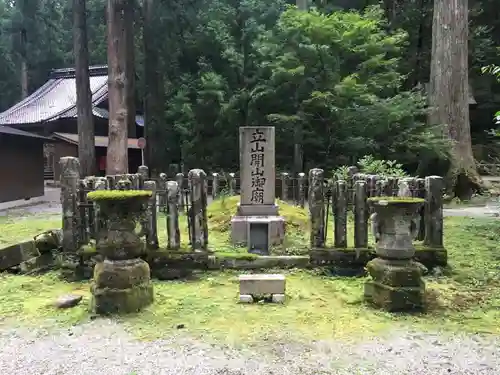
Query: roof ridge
[{"x": 94, "y": 70}]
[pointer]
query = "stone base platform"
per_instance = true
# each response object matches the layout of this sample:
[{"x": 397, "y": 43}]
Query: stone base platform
[
  {"x": 257, "y": 285},
  {"x": 122, "y": 286},
  {"x": 275, "y": 298},
  {"x": 241, "y": 226},
  {"x": 396, "y": 285}
]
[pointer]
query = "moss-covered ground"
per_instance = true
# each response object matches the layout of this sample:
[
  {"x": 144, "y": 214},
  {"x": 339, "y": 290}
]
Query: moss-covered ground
[{"x": 463, "y": 297}]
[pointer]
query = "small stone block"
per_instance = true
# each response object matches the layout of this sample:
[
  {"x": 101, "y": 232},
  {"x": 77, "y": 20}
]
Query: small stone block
[
  {"x": 246, "y": 298},
  {"x": 278, "y": 298},
  {"x": 68, "y": 301},
  {"x": 16, "y": 254},
  {"x": 260, "y": 284}
]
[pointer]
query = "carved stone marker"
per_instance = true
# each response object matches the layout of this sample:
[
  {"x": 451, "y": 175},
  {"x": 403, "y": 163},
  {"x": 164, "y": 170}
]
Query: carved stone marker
[
  {"x": 257, "y": 214},
  {"x": 252, "y": 286}
]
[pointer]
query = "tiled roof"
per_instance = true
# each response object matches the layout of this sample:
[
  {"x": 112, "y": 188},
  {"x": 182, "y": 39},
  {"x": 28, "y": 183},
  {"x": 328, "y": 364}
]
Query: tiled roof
[
  {"x": 11, "y": 131},
  {"x": 56, "y": 98},
  {"x": 99, "y": 141}
]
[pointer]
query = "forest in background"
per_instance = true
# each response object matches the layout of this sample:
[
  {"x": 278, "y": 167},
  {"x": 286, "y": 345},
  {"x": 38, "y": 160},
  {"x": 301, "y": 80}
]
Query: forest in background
[{"x": 342, "y": 83}]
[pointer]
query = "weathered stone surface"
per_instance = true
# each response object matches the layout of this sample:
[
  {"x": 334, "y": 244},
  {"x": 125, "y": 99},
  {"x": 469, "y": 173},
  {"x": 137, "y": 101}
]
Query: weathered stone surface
[
  {"x": 246, "y": 298},
  {"x": 70, "y": 174},
  {"x": 179, "y": 178},
  {"x": 360, "y": 215},
  {"x": 41, "y": 263},
  {"x": 113, "y": 301},
  {"x": 122, "y": 274},
  {"x": 68, "y": 301},
  {"x": 346, "y": 258},
  {"x": 285, "y": 178},
  {"x": 433, "y": 211},
  {"x": 49, "y": 240},
  {"x": 278, "y": 298},
  {"x": 198, "y": 210},
  {"x": 261, "y": 284},
  {"x": 151, "y": 217},
  {"x": 395, "y": 273},
  {"x": 258, "y": 263},
  {"x": 301, "y": 189},
  {"x": 317, "y": 207},
  {"x": 215, "y": 185},
  {"x": 340, "y": 214},
  {"x": 14, "y": 255},
  {"x": 162, "y": 192},
  {"x": 395, "y": 298},
  {"x": 231, "y": 180},
  {"x": 431, "y": 257},
  {"x": 173, "y": 232}
]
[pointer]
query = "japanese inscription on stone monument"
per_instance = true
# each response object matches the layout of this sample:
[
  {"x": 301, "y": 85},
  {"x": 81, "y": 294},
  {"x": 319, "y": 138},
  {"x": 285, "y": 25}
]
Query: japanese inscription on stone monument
[
  {"x": 257, "y": 160},
  {"x": 257, "y": 165}
]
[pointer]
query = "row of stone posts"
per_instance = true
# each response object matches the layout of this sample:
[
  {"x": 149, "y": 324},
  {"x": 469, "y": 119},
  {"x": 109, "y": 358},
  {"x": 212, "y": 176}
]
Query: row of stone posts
[
  {"x": 430, "y": 229},
  {"x": 81, "y": 220}
]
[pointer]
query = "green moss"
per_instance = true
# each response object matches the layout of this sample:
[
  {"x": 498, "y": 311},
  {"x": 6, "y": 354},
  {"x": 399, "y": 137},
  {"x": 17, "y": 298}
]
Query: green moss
[
  {"x": 117, "y": 194},
  {"x": 236, "y": 256},
  {"x": 395, "y": 200}
]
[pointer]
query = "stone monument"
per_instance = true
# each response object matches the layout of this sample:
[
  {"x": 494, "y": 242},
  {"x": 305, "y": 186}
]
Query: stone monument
[{"x": 257, "y": 223}]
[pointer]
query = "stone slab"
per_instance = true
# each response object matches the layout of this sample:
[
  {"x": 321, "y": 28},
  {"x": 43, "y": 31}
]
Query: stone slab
[
  {"x": 257, "y": 210},
  {"x": 260, "y": 284},
  {"x": 394, "y": 299},
  {"x": 16, "y": 254}
]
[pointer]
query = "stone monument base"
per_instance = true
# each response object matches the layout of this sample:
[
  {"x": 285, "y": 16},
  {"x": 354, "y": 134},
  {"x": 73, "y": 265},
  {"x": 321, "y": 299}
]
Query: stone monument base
[
  {"x": 396, "y": 285},
  {"x": 270, "y": 229}
]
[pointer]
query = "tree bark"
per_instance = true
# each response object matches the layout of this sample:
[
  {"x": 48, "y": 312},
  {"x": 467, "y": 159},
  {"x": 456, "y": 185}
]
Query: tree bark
[
  {"x": 449, "y": 91},
  {"x": 130, "y": 67},
  {"x": 117, "y": 153},
  {"x": 24, "y": 64},
  {"x": 153, "y": 80},
  {"x": 85, "y": 120}
]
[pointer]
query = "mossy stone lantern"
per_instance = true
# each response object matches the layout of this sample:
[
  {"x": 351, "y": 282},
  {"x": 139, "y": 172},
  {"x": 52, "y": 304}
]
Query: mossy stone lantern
[
  {"x": 122, "y": 282},
  {"x": 396, "y": 280}
]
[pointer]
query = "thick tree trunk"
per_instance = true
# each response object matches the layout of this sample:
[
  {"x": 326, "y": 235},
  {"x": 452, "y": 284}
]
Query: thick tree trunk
[
  {"x": 449, "y": 91},
  {"x": 117, "y": 153},
  {"x": 85, "y": 120},
  {"x": 130, "y": 67},
  {"x": 24, "y": 64},
  {"x": 298, "y": 151},
  {"x": 153, "y": 93}
]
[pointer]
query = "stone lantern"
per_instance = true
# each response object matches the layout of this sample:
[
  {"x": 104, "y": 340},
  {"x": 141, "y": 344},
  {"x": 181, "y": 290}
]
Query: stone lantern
[
  {"x": 122, "y": 282},
  {"x": 396, "y": 279}
]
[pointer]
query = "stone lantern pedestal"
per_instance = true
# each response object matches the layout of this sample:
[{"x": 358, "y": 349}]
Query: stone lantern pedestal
[
  {"x": 122, "y": 282},
  {"x": 396, "y": 280}
]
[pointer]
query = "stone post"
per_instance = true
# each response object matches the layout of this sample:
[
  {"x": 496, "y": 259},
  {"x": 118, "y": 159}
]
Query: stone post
[
  {"x": 352, "y": 171},
  {"x": 232, "y": 183},
  {"x": 100, "y": 220},
  {"x": 83, "y": 212},
  {"x": 284, "y": 186},
  {"x": 433, "y": 211},
  {"x": 302, "y": 192},
  {"x": 143, "y": 173},
  {"x": 162, "y": 192},
  {"x": 360, "y": 216},
  {"x": 70, "y": 174},
  {"x": 173, "y": 233},
  {"x": 340, "y": 214},
  {"x": 421, "y": 194},
  {"x": 179, "y": 178},
  {"x": 151, "y": 217},
  {"x": 317, "y": 207},
  {"x": 198, "y": 210},
  {"x": 215, "y": 185}
]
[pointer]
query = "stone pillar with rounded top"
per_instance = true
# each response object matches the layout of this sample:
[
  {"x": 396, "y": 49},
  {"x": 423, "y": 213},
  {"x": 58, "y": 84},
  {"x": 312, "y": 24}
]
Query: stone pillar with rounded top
[
  {"x": 257, "y": 223},
  {"x": 396, "y": 279},
  {"x": 122, "y": 282}
]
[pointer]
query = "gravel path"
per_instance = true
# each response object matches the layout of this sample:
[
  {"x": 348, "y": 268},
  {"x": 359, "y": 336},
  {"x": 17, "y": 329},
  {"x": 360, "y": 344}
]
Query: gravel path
[{"x": 103, "y": 347}]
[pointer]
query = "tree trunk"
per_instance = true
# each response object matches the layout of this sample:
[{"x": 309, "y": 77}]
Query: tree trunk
[
  {"x": 298, "y": 152},
  {"x": 449, "y": 91},
  {"x": 117, "y": 153},
  {"x": 24, "y": 64},
  {"x": 130, "y": 67},
  {"x": 85, "y": 120},
  {"x": 153, "y": 84}
]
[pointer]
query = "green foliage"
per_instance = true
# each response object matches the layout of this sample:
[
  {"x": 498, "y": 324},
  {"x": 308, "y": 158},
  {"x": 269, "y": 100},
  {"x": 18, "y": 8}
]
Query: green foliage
[
  {"x": 369, "y": 165},
  {"x": 495, "y": 71},
  {"x": 383, "y": 201},
  {"x": 117, "y": 194}
]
